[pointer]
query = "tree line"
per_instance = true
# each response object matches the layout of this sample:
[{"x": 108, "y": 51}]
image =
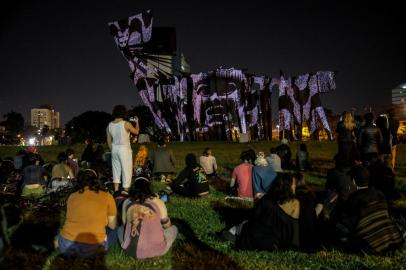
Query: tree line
[{"x": 89, "y": 124}]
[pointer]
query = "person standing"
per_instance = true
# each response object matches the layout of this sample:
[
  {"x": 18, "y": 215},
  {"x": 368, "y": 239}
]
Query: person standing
[
  {"x": 346, "y": 138},
  {"x": 369, "y": 140},
  {"x": 118, "y": 141}
]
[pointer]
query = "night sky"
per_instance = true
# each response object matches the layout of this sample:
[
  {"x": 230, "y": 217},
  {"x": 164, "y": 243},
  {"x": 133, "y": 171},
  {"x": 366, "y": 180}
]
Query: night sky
[{"x": 61, "y": 52}]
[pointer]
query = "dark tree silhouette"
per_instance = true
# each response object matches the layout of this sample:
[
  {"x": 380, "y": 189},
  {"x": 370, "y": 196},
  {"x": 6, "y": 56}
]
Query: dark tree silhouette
[
  {"x": 90, "y": 124},
  {"x": 14, "y": 124}
]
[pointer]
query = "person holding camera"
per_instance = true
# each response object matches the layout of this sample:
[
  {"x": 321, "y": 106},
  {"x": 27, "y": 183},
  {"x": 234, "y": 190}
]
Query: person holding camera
[{"x": 118, "y": 141}]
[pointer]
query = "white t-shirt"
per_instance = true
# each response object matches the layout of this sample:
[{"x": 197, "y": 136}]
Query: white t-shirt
[{"x": 208, "y": 163}]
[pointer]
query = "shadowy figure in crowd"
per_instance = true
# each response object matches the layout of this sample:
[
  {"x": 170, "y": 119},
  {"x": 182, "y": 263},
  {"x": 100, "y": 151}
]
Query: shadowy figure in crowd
[
  {"x": 339, "y": 179},
  {"x": 275, "y": 220},
  {"x": 191, "y": 181},
  {"x": 369, "y": 140},
  {"x": 393, "y": 127},
  {"x": 382, "y": 178},
  {"x": 385, "y": 148},
  {"x": 363, "y": 220},
  {"x": 72, "y": 162},
  {"x": 346, "y": 138},
  {"x": 34, "y": 178},
  {"x": 87, "y": 155},
  {"x": 303, "y": 158},
  {"x": 163, "y": 162},
  {"x": 283, "y": 151}
]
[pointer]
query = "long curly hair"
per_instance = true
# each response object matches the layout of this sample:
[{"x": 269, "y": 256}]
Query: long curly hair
[
  {"x": 141, "y": 156},
  {"x": 348, "y": 120}
]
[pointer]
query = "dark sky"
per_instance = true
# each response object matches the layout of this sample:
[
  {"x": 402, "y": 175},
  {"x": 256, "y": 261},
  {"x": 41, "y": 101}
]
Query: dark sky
[{"x": 61, "y": 52}]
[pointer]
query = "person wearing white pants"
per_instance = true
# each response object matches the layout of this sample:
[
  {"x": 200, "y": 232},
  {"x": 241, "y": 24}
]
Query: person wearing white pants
[{"x": 118, "y": 140}]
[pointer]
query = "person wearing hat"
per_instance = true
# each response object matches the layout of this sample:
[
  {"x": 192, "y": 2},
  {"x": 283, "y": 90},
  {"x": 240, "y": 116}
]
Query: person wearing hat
[
  {"x": 365, "y": 216},
  {"x": 262, "y": 176}
]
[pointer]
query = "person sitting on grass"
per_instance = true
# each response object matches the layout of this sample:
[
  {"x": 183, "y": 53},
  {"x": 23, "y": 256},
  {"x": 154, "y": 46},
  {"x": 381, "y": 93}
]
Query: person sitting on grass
[
  {"x": 191, "y": 181},
  {"x": 242, "y": 176},
  {"x": 283, "y": 151},
  {"x": 62, "y": 169},
  {"x": 338, "y": 178},
  {"x": 163, "y": 161},
  {"x": 147, "y": 230},
  {"x": 87, "y": 155},
  {"x": 363, "y": 220},
  {"x": 72, "y": 162},
  {"x": 141, "y": 162},
  {"x": 275, "y": 219},
  {"x": 262, "y": 176},
  {"x": 90, "y": 218},
  {"x": 302, "y": 158},
  {"x": 34, "y": 177},
  {"x": 274, "y": 161},
  {"x": 208, "y": 162}
]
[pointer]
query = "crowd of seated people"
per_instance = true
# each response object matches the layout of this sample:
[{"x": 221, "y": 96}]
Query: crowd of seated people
[{"x": 351, "y": 210}]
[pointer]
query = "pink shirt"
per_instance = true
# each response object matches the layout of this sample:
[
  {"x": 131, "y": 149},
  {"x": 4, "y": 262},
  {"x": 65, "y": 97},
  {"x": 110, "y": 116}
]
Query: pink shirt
[{"x": 243, "y": 174}]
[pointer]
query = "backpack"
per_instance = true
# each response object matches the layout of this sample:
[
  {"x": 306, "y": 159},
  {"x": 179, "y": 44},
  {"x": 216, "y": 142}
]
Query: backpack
[{"x": 133, "y": 226}]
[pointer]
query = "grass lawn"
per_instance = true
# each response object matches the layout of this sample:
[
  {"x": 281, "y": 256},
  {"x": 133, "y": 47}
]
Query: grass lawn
[{"x": 197, "y": 219}]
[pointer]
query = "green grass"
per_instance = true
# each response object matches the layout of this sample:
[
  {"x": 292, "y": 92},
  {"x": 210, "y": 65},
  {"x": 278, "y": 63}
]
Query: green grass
[{"x": 197, "y": 219}]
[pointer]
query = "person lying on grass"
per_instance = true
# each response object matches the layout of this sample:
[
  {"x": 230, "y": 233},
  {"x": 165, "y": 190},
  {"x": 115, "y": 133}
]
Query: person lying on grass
[
  {"x": 90, "y": 218},
  {"x": 147, "y": 231},
  {"x": 191, "y": 181}
]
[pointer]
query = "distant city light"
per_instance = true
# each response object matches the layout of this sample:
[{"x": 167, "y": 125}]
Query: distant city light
[
  {"x": 403, "y": 86},
  {"x": 31, "y": 141}
]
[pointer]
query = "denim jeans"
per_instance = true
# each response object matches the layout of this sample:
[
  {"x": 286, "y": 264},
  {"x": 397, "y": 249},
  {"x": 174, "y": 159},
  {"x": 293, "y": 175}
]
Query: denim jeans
[{"x": 82, "y": 250}]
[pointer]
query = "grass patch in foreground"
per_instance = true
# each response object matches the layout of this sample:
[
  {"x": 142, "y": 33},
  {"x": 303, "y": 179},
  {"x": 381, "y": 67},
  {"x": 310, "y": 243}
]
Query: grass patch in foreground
[{"x": 195, "y": 248}]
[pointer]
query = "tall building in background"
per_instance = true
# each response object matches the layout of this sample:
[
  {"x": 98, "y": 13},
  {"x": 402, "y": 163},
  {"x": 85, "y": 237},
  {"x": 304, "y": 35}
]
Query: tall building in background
[
  {"x": 399, "y": 95},
  {"x": 45, "y": 115}
]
